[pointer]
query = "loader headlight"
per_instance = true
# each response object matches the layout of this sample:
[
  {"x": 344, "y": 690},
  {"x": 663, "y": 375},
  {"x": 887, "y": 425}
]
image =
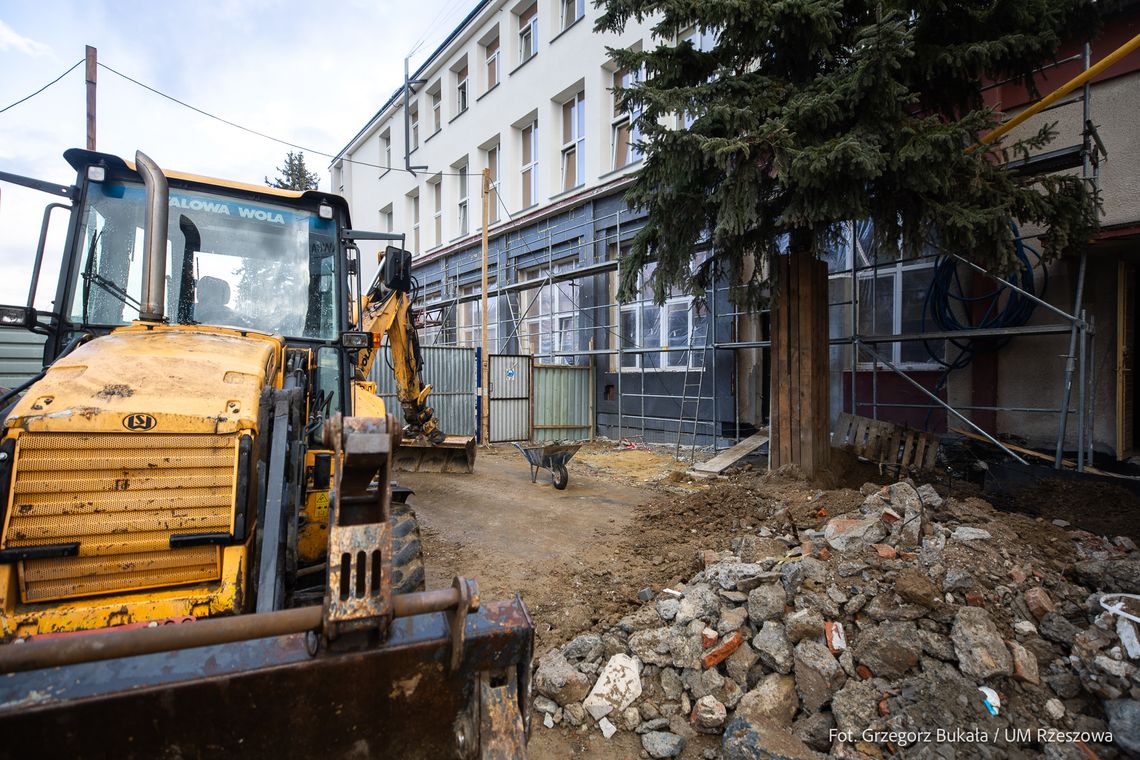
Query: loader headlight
[
  {"x": 96, "y": 173},
  {"x": 16, "y": 316},
  {"x": 356, "y": 340}
]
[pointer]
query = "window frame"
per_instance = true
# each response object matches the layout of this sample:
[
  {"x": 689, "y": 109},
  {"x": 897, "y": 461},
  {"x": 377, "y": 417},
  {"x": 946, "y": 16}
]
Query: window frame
[
  {"x": 469, "y": 324},
  {"x": 414, "y": 119},
  {"x": 386, "y": 151},
  {"x": 528, "y": 32},
  {"x": 462, "y": 90},
  {"x": 437, "y": 210},
  {"x": 416, "y": 223},
  {"x": 530, "y": 165},
  {"x": 579, "y": 9},
  {"x": 493, "y": 158},
  {"x": 623, "y": 120},
  {"x": 575, "y": 142},
  {"x": 463, "y": 220},
  {"x": 662, "y": 359},
  {"x": 436, "y": 109},
  {"x": 492, "y": 63},
  {"x": 563, "y": 308}
]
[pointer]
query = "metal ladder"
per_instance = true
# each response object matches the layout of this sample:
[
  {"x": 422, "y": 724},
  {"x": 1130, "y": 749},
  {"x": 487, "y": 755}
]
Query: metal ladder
[{"x": 698, "y": 334}]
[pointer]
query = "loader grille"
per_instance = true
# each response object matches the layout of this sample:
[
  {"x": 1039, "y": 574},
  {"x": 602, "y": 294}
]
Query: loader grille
[{"x": 121, "y": 497}]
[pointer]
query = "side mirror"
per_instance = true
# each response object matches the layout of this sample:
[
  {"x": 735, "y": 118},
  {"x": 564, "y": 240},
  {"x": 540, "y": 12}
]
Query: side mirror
[
  {"x": 397, "y": 269},
  {"x": 17, "y": 316}
]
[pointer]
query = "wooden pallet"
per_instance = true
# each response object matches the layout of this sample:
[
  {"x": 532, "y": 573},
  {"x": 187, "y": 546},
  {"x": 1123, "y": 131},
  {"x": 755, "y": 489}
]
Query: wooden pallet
[{"x": 885, "y": 442}]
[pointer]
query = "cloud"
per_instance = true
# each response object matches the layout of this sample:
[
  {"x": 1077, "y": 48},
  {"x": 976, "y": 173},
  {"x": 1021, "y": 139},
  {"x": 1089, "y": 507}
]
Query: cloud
[{"x": 10, "y": 39}]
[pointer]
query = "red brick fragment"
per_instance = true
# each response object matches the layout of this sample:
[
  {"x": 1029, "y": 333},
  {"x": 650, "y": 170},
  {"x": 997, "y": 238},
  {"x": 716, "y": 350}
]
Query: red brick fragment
[
  {"x": 886, "y": 551},
  {"x": 1038, "y": 602},
  {"x": 723, "y": 651}
]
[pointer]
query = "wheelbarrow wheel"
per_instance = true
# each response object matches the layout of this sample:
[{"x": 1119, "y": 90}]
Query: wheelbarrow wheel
[{"x": 559, "y": 476}]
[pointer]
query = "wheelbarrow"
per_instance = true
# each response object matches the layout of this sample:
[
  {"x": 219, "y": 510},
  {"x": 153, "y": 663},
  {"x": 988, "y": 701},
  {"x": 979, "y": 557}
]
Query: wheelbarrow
[{"x": 553, "y": 457}]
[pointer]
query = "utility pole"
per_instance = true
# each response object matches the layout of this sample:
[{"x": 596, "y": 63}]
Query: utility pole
[
  {"x": 92, "y": 65},
  {"x": 485, "y": 364}
]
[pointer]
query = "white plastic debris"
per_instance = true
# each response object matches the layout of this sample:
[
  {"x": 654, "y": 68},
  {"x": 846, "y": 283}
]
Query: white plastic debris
[{"x": 608, "y": 729}]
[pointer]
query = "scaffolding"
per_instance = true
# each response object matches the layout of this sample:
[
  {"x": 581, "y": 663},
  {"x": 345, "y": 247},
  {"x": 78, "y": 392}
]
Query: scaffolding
[{"x": 587, "y": 331}]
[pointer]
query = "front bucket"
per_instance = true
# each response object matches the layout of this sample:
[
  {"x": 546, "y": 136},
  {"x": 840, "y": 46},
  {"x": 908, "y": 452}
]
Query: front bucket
[
  {"x": 455, "y": 454},
  {"x": 288, "y": 697}
]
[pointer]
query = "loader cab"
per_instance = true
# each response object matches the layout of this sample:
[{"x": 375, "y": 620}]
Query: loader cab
[{"x": 255, "y": 259}]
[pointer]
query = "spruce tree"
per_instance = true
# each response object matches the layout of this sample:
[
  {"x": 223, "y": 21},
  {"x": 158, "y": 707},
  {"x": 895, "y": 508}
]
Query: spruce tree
[
  {"x": 294, "y": 175},
  {"x": 809, "y": 113}
]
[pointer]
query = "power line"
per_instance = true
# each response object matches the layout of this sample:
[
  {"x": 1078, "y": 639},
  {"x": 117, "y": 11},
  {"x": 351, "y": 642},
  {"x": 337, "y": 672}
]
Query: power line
[
  {"x": 254, "y": 131},
  {"x": 49, "y": 84}
]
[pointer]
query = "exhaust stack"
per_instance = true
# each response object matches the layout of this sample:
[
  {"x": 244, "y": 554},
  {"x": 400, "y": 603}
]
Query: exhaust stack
[{"x": 154, "y": 239}]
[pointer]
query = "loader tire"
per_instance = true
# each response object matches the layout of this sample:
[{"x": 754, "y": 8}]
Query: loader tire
[{"x": 407, "y": 550}]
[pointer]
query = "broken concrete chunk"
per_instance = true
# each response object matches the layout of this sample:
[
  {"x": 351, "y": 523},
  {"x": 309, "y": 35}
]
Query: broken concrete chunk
[
  {"x": 847, "y": 535},
  {"x": 766, "y": 603},
  {"x": 803, "y": 624},
  {"x": 967, "y": 533},
  {"x": 617, "y": 687},
  {"x": 708, "y": 715},
  {"x": 773, "y": 647},
  {"x": 608, "y": 729},
  {"x": 774, "y": 698},
  {"x": 748, "y": 740},
  {"x": 667, "y": 608},
  {"x": 585, "y": 648},
  {"x": 662, "y": 744},
  {"x": 981, "y": 651},
  {"x": 889, "y": 649},
  {"x": 558, "y": 679},
  {"x": 818, "y": 674},
  {"x": 700, "y": 603},
  {"x": 732, "y": 619}
]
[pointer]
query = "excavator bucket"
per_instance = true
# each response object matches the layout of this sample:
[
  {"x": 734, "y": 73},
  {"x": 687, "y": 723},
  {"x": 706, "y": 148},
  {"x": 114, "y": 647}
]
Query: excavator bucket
[
  {"x": 285, "y": 695},
  {"x": 455, "y": 454}
]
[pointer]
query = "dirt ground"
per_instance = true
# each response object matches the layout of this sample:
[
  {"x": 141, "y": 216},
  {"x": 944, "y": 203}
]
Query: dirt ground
[{"x": 630, "y": 518}]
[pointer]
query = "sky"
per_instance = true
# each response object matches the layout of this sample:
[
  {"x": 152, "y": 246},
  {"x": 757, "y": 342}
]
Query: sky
[{"x": 309, "y": 73}]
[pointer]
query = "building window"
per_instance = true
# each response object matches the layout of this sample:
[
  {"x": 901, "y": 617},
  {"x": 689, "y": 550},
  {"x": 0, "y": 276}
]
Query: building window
[
  {"x": 703, "y": 41},
  {"x": 624, "y": 127},
  {"x": 675, "y": 325},
  {"x": 530, "y": 165},
  {"x": 464, "y": 190},
  {"x": 572, "y": 10},
  {"x": 549, "y": 315},
  {"x": 574, "y": 142},
  {"x": 461, "y": 90},
  {"x": 414, "y": 118},
  {"x": 471, "y": 317},
  {"x": 528, "y": 33},
  {"x": 415, "y": 224},
  {"x": 437, "y": 210},
  {"x": 493, "y": 194},
  {"x": 436, "y": 108},
  {"x": 386, "y": 150},
  {"x": 386, "y": 218},
  {"x": 891, "y": 301},
  {"x": 492, "y": 50}
]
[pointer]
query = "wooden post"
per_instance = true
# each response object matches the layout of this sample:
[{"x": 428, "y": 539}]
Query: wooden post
[
  {"x": 92, "y": 67},
  {"x": 800, "y": 425},
  {"x": 485, "y": 423}
]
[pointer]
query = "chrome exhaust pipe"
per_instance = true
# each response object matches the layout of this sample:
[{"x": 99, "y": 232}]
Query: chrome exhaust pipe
[{"x": 154, "y": 239}]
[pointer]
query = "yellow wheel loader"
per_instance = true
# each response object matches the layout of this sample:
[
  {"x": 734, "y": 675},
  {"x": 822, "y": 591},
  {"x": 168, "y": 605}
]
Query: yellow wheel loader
[{"x": 202, "y": 551}]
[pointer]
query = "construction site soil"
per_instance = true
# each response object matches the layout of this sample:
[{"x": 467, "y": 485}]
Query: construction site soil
[{"x": 636, "y": 521}]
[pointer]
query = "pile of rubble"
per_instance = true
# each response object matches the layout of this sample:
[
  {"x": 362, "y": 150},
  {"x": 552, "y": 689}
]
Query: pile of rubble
[{"x": 915, "y": 623}]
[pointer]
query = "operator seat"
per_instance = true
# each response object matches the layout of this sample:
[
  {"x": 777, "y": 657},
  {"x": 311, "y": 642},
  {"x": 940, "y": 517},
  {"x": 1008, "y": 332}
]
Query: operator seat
[{"x": 213, "y": 295}]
